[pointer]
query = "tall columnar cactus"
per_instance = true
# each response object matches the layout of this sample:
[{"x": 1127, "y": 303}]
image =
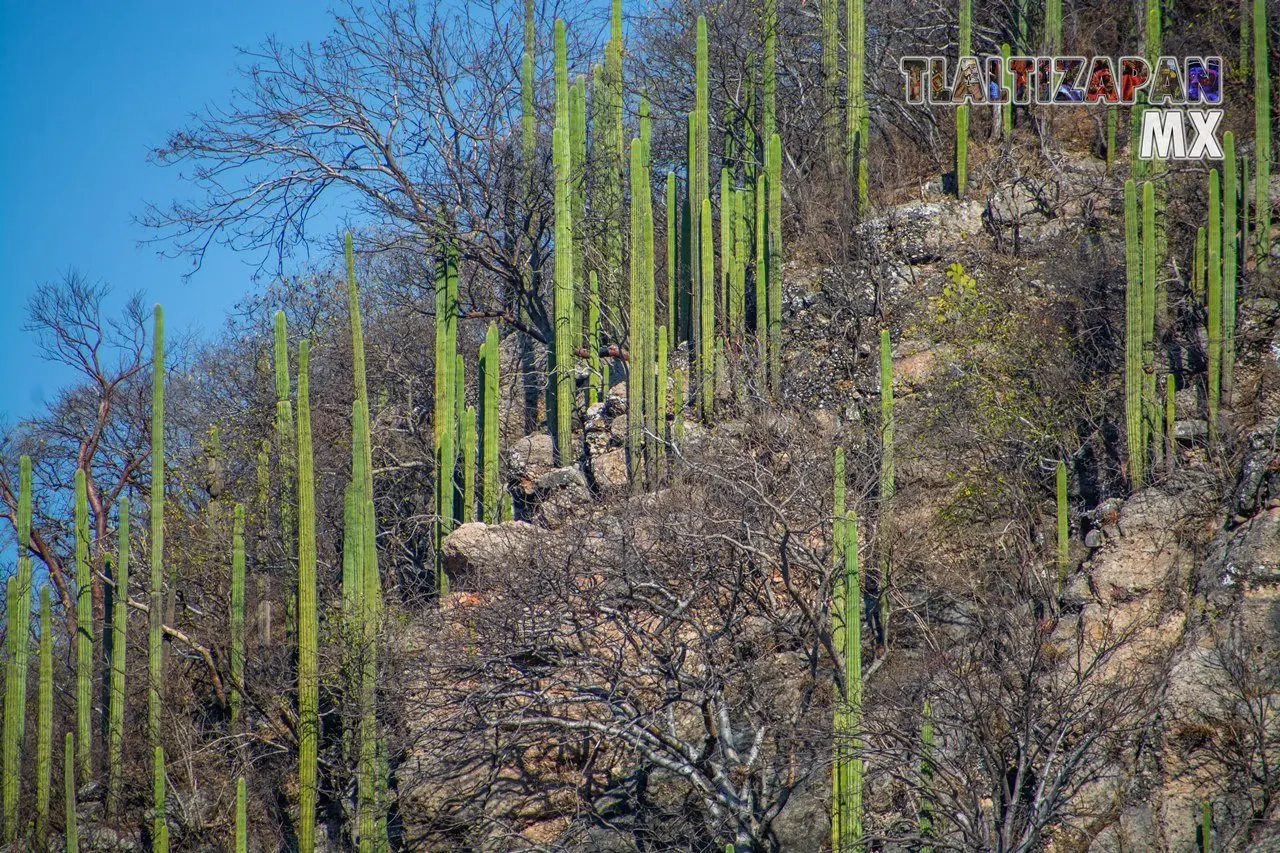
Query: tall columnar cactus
[
  {"x": 595, "y": 378},
  {"x": 761, "y": 275},
  {"x": 706, "y": 336},
  {"x": 660, "y": 401},
  {"x": 159, "y": 821},
  {"x": 1150, "y": 299},
  {"x": 285, "y": 439},
  {"x": 1229, "y": 255},
  {"x": 727, "y": 216},
  {"x": 467, "y": 428},
  {"x": 769, "y": 70},
  {"x": 738, "y": 279},
  {"x": 562, "y": 375},
  {"x": 962, "y": 111},
  {"x": 678, "y": 381},
  {"x": 773, "y": 166},
  {"x": 84, "y": 630},
  {"x": 155, "y": 653},
  {"x": 490, "y": 423},
  {"x": 857, "y": 114},
  {"x": 829, "y": 14},
  {"x": 1262, "y": 132},
  {"x": 1133, "y": 375},
  {"x": 1206, "y": 826},
  {"x": 1112, "y": 118},
  {"x": 1006, "y": 109},
  {"x": 1063, "y": 526},
  {"x": 237, "y": 612},
  {"x": 847, "y": 773},
  {"x": 578, "y": 197},
  {"x": 1170, "y": 413},
  {"x": 242, "y": 822},
  {"x": 1052, "y": 27},
  {"x": 1198, "y": 265},
  {"x": 308, "y": 621},
  {"x": 887, "y": 476},
  {"x": 611, "y": 161},
  {"x": 1214, "y": 299},
  {"x": 693, "y": 230},
  {"x": 17, "y": 641},
  {"x": 71, "y": 831},
  {"x": 446, "y": 304},
  {"x": 528, "y": 113},
  {"x": 119, "y": 626},
  {"x": 673, "y": 232},
  {"x": 924, "y": 821},
  {"x": 44, "y": 722},
  {"x": 640, "y": 368}
]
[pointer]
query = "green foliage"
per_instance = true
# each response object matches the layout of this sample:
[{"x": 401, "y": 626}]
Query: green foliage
[
  {"x": 155, "y": 652},
  {"x": 44, "y": 721},
  {"x": 116, "y": 695},
  {"x": 308, "y": 619},
  {"x": 84, "y": 630}
]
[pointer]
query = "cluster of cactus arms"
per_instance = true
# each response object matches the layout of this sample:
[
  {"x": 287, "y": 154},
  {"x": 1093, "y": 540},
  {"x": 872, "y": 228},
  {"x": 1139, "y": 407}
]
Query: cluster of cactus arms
[
  {"x": 1262, "y": 133},
  {"x": 846, "y": 806},
  {"x": 857, "y": 113},
  {"x": 887, "y": 480},
  {"x": 155, "y": 652},
  {"x": 1063, "y": 524},
  {"x": 962, "y": 111},
  {"x": 44, "y": 721}
]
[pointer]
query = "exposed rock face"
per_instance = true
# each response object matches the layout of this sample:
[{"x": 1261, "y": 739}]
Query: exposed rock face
[
  {"x": 475, "y": 553},
  {"x": 533, "y": 455}
]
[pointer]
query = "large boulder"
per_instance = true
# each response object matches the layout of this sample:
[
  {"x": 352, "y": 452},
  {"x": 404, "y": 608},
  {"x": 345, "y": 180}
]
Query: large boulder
[{"x": 477, "y": 555}]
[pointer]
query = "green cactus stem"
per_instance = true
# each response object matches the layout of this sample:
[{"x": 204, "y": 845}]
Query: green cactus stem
[
  {"x": 829, "y": 13},
  {"x": 660, "y": 400},
  {"x": 673, "y": 233},
  {"x": 962, "y": 111},
  {"x": 1151, "y": 296},
  {"x": 17, "y": 642},
  {"x": 44, "y": 722},
  {"x": 490, "y": 418},
  {"x": 727, "y": 216},
  {"x": 678, "y": 381},
  {"x": 1206, "y": 827},
  {"x": 1230, "y": 248},
  {"x": 769, "y": 69},
  {"x": 1262, "y": 133},
  {"x": 308, "y": 621},
  {"x": 706, "y": 336},
  {"x": 1213, "y": 259},
  {"x": 69, "y": 793},
  {"x": 1170, "y": 411},
  {"x": 242, "y": 822},
  {"x": 159, "y": 822},
  {"x": 84, "y": 631},
  {"x": 468, "y": 429},
  {"x": 737, "y": 312},
  {"x": 1198, "y": 266},
  {"x": 1133, "y": 338},
  {"x": 887, "y": 477},
  {"x": 119, "y": 626},
  {"x": 773, "y": 168},
  {"x": 155, "y": 659},
  {"x": 857, "y": 114},
  {"x": 446, "y": 305},
  {"x": 237, "y": 612},
  {"x": 846, "y": 830},
  {"x": 562, "y": 385},
  {"x": 284, "y": 432},
  {"x": 924, "y": 820},
  {"x": 1006, "y": 109},
  {"x": 1052, "y": 27},
  {"x": 1063, "y": 527}
]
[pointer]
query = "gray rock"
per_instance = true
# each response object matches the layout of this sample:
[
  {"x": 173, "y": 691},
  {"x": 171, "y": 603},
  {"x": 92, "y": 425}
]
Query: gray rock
[
  {"x": 1093, "y": 539},
  {"x": 475, "y": 554},
  {"x": 532, "y": 455},
  {"x": 609, "y": 470}
]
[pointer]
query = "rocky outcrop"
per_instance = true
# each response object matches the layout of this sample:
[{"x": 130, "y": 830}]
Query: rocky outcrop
[{"x": 476, "y": 554}]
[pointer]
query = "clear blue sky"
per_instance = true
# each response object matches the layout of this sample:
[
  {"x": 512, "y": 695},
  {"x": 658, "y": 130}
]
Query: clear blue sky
[{"x": 90, "y": 88}]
